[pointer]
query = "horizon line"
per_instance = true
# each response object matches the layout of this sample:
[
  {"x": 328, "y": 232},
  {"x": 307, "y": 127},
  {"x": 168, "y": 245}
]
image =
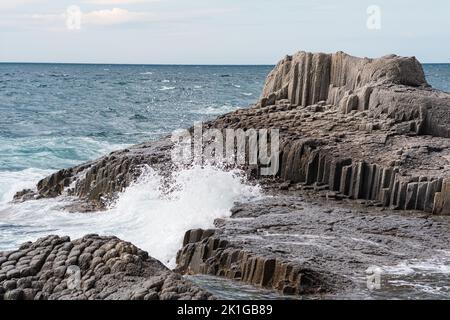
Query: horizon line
[
  {"x": 160, "y": 64},
  {"x": 140, "y": 64}
]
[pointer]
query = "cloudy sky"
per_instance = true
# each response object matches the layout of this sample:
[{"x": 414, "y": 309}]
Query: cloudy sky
[{"x": 219, "y": 31}]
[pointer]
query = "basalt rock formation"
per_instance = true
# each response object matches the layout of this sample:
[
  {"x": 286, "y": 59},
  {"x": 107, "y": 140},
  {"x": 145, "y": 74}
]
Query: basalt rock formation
[
  {"x": 299, "y": 246},
  {"x": 93, "y": 267},
  {"x": 96, "y": 182},
  {"x": 204, "y": 252},
  {"x": 391, "y": 87},
  {"x": 359, "y": 138},
  {"x": 368, "y": 129}
]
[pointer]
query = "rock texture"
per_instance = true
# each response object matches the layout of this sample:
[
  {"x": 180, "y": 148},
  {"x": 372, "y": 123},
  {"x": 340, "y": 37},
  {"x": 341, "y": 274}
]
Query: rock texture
[
  {"x": 97, "y": 182},
  {"x": 92, "y": 267},
  {"x": 370, "y": 129},
  {"x": 296, "y": 245},
  {"x": 392, "y": 86},
  {"x": 205, "y": 253}
]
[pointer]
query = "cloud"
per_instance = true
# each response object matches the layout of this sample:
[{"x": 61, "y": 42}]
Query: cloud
[
  {"x": 110, "y": 17},
  {"x": 118, "y": 2},
  {"x": 106, "y": 17},
  {"x": 116, "y": 16}
]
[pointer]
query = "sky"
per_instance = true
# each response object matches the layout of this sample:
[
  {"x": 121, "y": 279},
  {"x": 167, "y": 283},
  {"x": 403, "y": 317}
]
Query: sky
[{"x": 219, "y": 31}]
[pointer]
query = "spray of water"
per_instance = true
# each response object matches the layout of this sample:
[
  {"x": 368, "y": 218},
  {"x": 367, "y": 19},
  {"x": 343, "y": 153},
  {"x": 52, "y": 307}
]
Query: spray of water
[{"x": 145, "y": 213}]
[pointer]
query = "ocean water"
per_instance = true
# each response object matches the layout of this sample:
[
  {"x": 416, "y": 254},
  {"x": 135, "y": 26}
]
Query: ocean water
[{"x": 54, "y": 116}]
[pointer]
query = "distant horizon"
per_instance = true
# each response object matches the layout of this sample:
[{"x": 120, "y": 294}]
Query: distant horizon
[
  {"x": 143, "y": 64},
  {"x": 164, "y": 64},
  {"x": 220, "y": 32}
]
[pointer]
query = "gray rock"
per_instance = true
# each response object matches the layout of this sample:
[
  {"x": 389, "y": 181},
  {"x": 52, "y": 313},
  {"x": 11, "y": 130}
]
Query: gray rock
[
  {"x": 10, "y": 285},
  {"x": 14, "y": 273},
  {"x": 311, "y": 251},
  {"x": 16, "y": 294},
  {"x": 132, "y": 274}
]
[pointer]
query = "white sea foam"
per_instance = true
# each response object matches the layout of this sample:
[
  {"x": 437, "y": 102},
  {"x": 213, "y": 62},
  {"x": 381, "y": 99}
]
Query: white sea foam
[
  {"x": 215, "y": 110},
  {"x": 145, "y": 213},
  {"x": 165, "y": 88},
  {"x": 13, "y": 181},
  {"x": 439, "y": 264}
]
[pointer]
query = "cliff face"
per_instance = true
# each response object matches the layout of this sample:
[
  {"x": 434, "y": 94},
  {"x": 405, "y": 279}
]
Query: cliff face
[
  {"x": 307, "y": 78},
  {"x": 393, "y": 86}
]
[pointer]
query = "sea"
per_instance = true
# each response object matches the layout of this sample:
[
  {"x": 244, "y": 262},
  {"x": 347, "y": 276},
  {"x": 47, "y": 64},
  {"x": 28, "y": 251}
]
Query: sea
[{"x": 55, "y": 116}]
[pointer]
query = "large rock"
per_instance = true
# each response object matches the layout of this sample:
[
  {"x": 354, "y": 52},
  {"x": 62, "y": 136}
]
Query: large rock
[
  {"x": 297, "y": 245},
  {"x": 369, "y": 129},
  {"x": 390, "y": 85},
  {"x": 92, "y": 267}
]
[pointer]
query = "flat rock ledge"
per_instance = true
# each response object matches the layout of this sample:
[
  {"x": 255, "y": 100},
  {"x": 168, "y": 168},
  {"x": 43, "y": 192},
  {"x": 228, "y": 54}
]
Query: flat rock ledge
[
  {"x": 300, "y": 246},
  {"x": 90, "y": 268}
]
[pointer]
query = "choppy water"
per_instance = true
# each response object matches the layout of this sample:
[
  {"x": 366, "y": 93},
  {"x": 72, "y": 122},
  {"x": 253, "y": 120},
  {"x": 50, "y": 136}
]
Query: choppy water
[{"x": 56, "y": 116}]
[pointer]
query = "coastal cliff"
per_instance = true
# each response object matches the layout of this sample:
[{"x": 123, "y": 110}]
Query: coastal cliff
[
  {"x": 392, "y": 86},
  {"x": 363, "y": 180}
]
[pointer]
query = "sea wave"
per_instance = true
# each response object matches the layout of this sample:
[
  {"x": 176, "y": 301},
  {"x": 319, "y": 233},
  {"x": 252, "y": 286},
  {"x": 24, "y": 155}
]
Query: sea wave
[
  {"x": 150, "y": 214},
  {"x": 215, "y": 110},
  {"x": 166, "y": 88},
  {"x": 14, "y": 181},
  {"x": 52, "y": 152}
]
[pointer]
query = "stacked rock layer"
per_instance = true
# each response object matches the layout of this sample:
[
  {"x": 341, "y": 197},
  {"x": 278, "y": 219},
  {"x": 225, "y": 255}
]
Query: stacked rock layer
[{"x": 370, "y": 129}]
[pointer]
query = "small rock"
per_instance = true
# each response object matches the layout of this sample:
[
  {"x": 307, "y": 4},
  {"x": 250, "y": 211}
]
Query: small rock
[
  {"x": 16, "y": 294},
  {"x": 10, "y": 285}
]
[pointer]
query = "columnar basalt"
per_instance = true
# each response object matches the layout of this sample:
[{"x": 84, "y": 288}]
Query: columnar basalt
[
  {"x": 392, "y": 86},
  {"x": 205, "y": 253},
  {"x": 300, "y": 246},
  {"x": 369, "y": 129},
  {"x": 92, "y": 267}
]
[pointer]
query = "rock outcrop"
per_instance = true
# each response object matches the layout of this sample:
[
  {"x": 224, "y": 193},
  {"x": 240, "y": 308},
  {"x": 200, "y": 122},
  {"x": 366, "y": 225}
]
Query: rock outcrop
[
  {"x": 392, "y": 86},
  {"x": 205, "y": 253},
  {"x": 360, "y": 138},
  {"x": 92, "y": 267},
  {"x": 97, "y": 182},
  {"x": 368, "y": 129},
  {"x": 300, "y": 246}
]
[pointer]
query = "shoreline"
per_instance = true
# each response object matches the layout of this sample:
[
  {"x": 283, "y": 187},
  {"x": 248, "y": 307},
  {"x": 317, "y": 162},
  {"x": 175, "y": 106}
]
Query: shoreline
[{"x": 394, "y": 131}]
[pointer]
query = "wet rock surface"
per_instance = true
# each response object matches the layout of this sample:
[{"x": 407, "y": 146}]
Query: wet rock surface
[
  {"x": 93, "y": 267},
  {"x": 300, "y": 246}
]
